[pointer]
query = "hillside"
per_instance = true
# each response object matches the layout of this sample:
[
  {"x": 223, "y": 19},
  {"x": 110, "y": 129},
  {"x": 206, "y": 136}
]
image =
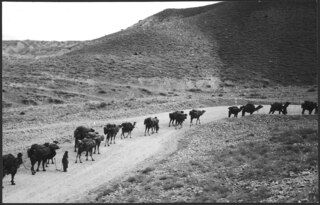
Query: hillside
[
  {"x": 236, "y": 41},
  {"x": 226, "y": 45},
  {"x": 30, "y": 49}
]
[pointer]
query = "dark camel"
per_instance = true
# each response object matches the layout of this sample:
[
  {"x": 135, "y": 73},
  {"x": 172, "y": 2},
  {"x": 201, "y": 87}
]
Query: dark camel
[
  {"x": 250, "y": 108},
  {"x": 196, "y": 114},
  {"x": 310, "y": 106},
  {"x": 234, "y": 111},
  {"x": 279, "y": 107}
]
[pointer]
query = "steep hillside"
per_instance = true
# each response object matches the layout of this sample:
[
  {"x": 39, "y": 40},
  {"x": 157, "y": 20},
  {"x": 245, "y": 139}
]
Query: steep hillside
[
  {"x": 272, "y": 42},
  {"x": 226, "y": 45}
]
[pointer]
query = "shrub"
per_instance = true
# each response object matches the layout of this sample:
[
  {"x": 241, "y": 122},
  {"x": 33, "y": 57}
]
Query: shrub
[
  {"x": 5, "y": 104},
  {"x": 102, "y": 92},
  {"x": 131, "y": 179},
  {"x": 132, "y": 199},
  {"x": 163, "y": 177},
  {"x": 178, "y": 184},
  {"x": 253, "y": 95},
  {"x": 147, "y": 187},
  {"x": 194, "y": 90},
  {"x": 211, "y": 187},
  {"x": 55, "y": 101},
  {"x": 97, "y": 105},
  {"x": 102, "y": 105},
  {"x": 147, "y": 170},
  {"x": 228, "y": 84},
  {"x": 311, "y": 90},
  {"x": 168, "y": 185},
  {"x": 146, "y": 91},
  {"x": 29, "y": 102},
  {"x": 107, "y": 192}
]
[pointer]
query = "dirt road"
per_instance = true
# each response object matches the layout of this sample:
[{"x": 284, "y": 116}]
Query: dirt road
[{"x": 55, "y": 186}]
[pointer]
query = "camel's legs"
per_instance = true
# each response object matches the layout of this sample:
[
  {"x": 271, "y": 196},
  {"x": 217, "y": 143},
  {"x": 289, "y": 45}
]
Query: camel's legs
[
  {"x": 38, "y": 165},
  {"x": 91, "y": 155}
]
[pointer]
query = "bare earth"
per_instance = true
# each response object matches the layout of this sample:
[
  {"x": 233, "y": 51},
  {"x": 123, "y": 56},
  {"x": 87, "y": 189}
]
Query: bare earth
[{"x": 114, "y": 162}]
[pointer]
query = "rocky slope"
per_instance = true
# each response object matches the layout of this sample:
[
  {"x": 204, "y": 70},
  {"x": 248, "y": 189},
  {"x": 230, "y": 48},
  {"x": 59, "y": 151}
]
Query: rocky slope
[{"x": 225, "y": 45}]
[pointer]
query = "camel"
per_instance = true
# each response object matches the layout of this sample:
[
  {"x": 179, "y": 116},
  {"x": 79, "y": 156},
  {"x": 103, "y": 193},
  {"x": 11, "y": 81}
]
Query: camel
[
  {"x": 310, "y": 106},
  {"x": 173, "y": 117},
  {"x": 87, "y": 145},
  {"x": 52, "y": 154},
  {"x": 97, "y": 138},
  {"x": 234, "y": 110},
  {"x": 196, "y": 114},
  {"x": 111, "y": 130},
  {"x": 40, "y": 153},
  {"x": 279, "y": 107},
  {"x": 180, "y": 119},
  {"x": 151, "y": 123},
  {"x": 127, "y": 127},
  {"x": 10, "y": 165},
  {"x": 250, "y": 108},
  {"x": 80, "y": 133}
]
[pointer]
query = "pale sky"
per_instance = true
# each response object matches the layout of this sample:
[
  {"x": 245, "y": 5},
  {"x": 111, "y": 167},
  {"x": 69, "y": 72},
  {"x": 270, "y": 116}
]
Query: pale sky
[{"x": 64, "y": 21}]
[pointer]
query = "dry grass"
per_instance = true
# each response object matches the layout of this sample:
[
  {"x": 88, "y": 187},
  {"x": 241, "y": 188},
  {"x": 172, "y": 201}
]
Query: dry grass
[{"x": 223, "y": 163}]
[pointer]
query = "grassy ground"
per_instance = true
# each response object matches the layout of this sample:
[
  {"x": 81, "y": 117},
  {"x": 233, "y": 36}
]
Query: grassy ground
[{"x": 260, "y": 158}]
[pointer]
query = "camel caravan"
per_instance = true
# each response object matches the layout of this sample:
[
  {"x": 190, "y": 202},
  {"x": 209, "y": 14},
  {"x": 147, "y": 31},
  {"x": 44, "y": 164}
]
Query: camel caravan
[
  {"x": 280, "y": 107},
  {"x": 88, "y": 140}
]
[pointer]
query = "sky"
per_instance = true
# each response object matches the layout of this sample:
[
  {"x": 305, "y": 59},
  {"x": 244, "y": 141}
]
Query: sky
[{"x": 78, "y": 21}]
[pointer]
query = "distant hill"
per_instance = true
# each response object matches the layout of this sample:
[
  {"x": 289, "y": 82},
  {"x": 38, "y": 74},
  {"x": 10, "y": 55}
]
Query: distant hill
[
  {"x": 30, "y": 48},
  {"x": 225, "y": 44}
]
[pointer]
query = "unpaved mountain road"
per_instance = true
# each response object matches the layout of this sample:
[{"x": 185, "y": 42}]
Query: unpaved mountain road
[{"x": 55, "y": 186}]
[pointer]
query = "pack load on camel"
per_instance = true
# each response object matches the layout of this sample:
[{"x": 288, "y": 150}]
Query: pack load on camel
[
  {"x": 40, "y": 153},
  {"x": 10, "y": 165}
]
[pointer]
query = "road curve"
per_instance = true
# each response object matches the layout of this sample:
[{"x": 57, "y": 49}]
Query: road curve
[{"x": 55, "y": 186}]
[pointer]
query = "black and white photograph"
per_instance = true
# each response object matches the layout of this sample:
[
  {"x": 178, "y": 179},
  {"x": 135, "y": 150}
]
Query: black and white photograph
[{"x": 160, "y": 101}]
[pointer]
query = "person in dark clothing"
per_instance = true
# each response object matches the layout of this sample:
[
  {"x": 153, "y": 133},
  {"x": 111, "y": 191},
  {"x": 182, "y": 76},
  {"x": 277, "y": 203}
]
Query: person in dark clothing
[{"x": 65, "y": 161}]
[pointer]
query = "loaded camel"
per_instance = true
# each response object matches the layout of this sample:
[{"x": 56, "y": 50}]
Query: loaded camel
[
  {"x": 151, "y": 123},
  {"x": 10, "y": 165},
  {"x": 52, "y": 154},
  {"x": 173, "y": 117},
  {"x": 310, "y": 106},
  {"x": 127, "y": 127},
  {"x": 180, "y": 119},
  {"x": 234, "y": 110},
  {"x": 195, "y": 114},
  {"x": 40, "y": 153},
  {"x": 111, "y": 130},
  {"x": 279, "y": 107},
  {"x": 250, "y": 108},
  {"x": 87, "y": 145},
  {"x": 97, "y": 138},
  {"x": 80, "y": 133}
]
